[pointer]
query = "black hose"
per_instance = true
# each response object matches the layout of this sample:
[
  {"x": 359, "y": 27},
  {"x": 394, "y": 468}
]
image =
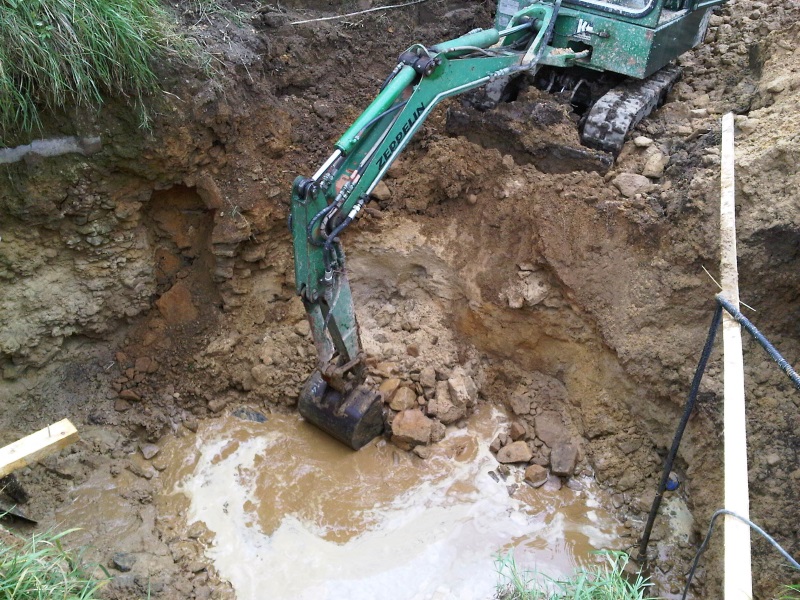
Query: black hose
[
  {"x": 759, "y": 337},
  {"x": 722, "y": 303},
  {"x": 391, "y": 76},
  {"x": 388, "y": 111},
  {"x": 332, "y": 237},
  {"x": 312, "y": 222},
  {"x": 676, "y": 441}
]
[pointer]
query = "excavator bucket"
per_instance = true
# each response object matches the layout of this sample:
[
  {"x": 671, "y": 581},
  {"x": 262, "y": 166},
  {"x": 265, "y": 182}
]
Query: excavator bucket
[{"x": 354, "y": 419}]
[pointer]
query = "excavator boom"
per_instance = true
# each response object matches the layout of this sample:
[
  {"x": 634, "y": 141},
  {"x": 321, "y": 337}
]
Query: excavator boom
[{"x": 324, "y": 205}]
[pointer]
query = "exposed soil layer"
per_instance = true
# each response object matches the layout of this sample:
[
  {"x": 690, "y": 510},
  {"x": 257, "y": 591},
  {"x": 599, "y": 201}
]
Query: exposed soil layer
[{"x": 150, "y": 286}]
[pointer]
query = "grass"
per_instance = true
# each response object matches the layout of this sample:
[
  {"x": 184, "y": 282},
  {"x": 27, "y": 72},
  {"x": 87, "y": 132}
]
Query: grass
[
  {"x": 40, "y": 568},
  {"x": 606, "y": 581},
  {"x": 794, "y": 592},
  {"x": 203, "y": 10},
  {"x": 55, "y": 53}
]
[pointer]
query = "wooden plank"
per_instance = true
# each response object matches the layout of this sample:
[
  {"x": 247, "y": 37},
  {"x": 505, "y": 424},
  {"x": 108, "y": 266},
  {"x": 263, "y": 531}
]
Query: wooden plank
[
  {"x": 738, "y": 577},
  {"x": 37, "y": 446}
]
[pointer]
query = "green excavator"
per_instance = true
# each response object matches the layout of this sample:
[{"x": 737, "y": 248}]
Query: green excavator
[{"x": 615, "y": 56}]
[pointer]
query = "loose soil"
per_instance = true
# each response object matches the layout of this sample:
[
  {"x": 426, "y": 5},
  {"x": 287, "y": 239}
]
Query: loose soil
[{"x": 149, "y": 287}]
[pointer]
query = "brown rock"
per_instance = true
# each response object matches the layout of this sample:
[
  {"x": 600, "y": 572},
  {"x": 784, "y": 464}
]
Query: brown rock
[
  {"x": 385, "y": 369},
  {"x": 517, "y": 431},
  {"x": 630, "y": 184},
  {"x": 463, "y": 391},
  {"x": 144, "y": 471},
  {"x": 629, "y": 445},
  {"x": 149, "y": 450},
  {"x": 176, "y": 305},
  {"x": 550, "y": 428},
  {"x": 496, "y": 444},
  {"x": 536, "y": 475},
  {"x": 217, "y": 404},
  {"x": 324, "y": 109},
  {"x": 230, "y": 228},
  {"x": 260, "y": 374},
  {"x": 443, "y": 408},
  {"x": 553, "y": 484},
  {"x": 563, "y": 458},
  {"x": 129, "y": 395},
  {"x": 427, "y": 379},
  {"x": 403, "y": 399},
  {"x": 520, "y": 404},
  {"x": 382, "y": 192},
  {"x": 388, "y": 388},
  {"x": 514, "y": 452},
  {"x": 645, "y": 501},
  {"x": 302, "y": 328},
  {"x": 424, "y": 452},
  {"x": 655, "y": 165},
  {"x": 411, "y": 427},
  {"x": 438, "y": 432},
  {"x": 121, "y": 405},
  {"x": 145, "y": 364}
]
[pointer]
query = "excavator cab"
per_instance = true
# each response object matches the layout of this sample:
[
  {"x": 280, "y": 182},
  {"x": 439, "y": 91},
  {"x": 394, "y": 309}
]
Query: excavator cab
[{"x": 635, "y": 38}]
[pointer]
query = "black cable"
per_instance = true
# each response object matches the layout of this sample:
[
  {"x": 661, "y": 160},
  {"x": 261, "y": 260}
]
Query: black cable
[
  {"x": 722, "y": 303},
  {"x": 704, "y": 545},
  {"x": 676, "y": 441},
  {"x": 759, "y": 337}
]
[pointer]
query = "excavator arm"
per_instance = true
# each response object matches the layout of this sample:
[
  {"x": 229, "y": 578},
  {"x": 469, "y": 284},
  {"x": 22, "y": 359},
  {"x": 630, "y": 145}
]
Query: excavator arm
[
  {"x": 324, "y": 205},
  {"x": 632, "y": 38}
]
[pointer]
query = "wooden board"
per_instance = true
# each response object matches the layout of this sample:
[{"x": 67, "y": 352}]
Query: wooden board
[
  {"x": 738, "y": 584},
  {"x": 37, "y": 446}
]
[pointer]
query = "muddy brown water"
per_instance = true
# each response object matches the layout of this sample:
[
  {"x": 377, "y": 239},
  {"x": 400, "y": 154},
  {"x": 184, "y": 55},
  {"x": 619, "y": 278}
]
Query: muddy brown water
[{"x": 295, "y": 514}]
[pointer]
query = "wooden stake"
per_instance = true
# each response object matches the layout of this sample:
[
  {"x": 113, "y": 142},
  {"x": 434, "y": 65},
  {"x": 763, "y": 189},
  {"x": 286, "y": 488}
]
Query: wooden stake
[
  {"x": 738, "y": 575},
  {"x": 37, "y": 446}
]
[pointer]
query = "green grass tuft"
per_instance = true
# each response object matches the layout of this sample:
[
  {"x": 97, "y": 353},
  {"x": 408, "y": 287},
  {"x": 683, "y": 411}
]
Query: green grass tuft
[
  {"x": 606, "y": 581},
  {"x": 55, "y": 53},
  {"x": 794, "y": 592},
  {"x": 40, "y": 568}
]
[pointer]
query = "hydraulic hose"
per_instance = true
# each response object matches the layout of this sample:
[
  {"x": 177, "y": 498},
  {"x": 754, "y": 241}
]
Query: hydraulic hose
[
  {"x": 313, "y": 221},
  {"x": 327, "y": 246},
  {"x": 388, "y": 111}
]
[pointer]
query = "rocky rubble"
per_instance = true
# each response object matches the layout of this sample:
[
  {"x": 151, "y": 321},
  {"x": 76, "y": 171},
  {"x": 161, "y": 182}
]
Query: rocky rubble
[
  {"x": 421, "y": 419},
  {"x": 540, "y": 438}
]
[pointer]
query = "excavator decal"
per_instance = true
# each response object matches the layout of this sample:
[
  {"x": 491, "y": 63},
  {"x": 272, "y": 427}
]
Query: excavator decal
[{"x": 386, "y": 155}]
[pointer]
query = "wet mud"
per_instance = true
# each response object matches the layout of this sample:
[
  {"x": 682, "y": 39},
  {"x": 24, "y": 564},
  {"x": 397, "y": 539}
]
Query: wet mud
[{"x": 294, "y": 514}]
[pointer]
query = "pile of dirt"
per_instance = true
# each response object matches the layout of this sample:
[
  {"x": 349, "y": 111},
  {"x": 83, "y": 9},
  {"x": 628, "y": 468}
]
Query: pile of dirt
[{"x": 151, "y": 285}]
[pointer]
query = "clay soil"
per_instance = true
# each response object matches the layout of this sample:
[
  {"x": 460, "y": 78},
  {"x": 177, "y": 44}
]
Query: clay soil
[{"x": 150, "y": 286}]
